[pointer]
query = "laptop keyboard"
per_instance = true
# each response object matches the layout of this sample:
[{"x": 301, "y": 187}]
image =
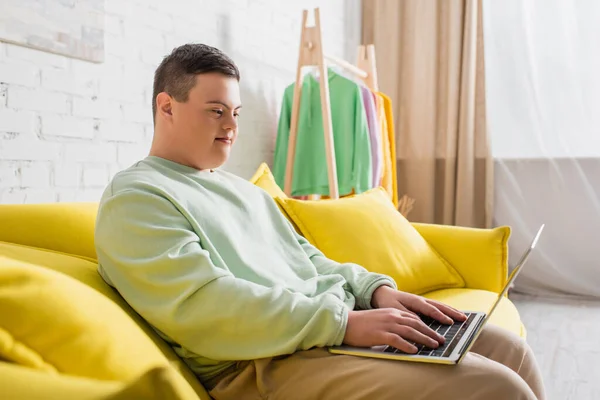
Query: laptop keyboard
[{"x": 452, "y": 333}]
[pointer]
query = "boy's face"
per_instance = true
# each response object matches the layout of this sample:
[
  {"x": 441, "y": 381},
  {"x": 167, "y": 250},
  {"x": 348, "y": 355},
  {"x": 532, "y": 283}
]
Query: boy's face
[{"x": 205, "y": 126}]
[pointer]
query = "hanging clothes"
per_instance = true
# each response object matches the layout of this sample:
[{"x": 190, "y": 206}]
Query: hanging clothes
[
  {"x": 391, "y": 134},
  {"x": 386, "y": 175},
  {"x": 351, "y": 139},
  {"x": 374, "y": 134},
  {"x": 373, "y": 125},
  {"x": 388, "y": 144}
]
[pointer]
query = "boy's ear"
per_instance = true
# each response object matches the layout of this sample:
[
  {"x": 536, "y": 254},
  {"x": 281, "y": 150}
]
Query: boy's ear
[{"x": 164, "y": 105}]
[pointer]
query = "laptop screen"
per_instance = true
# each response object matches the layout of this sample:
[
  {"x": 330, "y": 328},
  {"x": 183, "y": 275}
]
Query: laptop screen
[{"x": 515, "y": 272}]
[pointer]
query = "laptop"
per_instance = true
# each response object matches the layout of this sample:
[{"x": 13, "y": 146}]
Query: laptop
[{"x": 459, "y": 337}]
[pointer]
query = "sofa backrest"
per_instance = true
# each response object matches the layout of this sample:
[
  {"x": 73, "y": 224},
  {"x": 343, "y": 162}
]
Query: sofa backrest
[{"x": 63, "y": 227}]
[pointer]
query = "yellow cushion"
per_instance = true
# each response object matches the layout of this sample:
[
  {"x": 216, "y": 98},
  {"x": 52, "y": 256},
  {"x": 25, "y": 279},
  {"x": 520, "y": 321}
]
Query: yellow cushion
[
  {"x": 86, "y": 273},
  {"x": 366, "y": 229},
  {"x": 63, "y": 325},
  {"x": 264, "y": 179},
  {"x": 506, "y": 315},
  {"x": 479, "y": 255},
  {"x": 22, "y": 383}
]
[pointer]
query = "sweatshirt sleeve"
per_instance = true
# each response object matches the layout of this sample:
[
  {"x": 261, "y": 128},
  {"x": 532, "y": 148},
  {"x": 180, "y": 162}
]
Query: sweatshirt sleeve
[
  {"x": 362, "y": 282},
  {"x": 151, "y": 255}
]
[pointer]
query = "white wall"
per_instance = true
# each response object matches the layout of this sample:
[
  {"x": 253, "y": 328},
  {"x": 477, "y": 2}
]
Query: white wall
[{"x": 67, "y": 126}]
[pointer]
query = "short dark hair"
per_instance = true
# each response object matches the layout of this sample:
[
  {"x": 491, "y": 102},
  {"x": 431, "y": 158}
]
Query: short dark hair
[{"x": 177, "y": 72}]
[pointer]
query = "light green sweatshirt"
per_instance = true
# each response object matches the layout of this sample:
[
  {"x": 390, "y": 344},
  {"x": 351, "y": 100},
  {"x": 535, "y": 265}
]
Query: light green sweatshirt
[
  {"x": 350, "y": 136},
  {"x": 210, "y": 262}
]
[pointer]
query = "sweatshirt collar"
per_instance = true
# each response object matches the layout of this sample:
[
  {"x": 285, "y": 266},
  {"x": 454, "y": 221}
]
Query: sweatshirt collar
[{"x": 184, "y": 169}]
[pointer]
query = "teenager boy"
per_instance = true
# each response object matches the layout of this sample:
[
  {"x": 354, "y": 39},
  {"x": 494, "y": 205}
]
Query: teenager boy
[{"x": 210, "y": 262}]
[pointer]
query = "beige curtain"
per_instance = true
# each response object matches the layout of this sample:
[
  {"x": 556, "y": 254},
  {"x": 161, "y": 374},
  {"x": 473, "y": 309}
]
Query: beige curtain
[{"x": 430, "y": 62}]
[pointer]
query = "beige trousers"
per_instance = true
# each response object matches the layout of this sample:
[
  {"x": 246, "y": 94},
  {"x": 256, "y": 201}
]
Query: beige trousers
[{"x": 500, "y": 366}]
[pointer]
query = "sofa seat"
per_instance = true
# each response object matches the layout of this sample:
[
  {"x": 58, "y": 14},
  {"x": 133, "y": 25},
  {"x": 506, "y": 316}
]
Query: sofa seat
[{"x": 506, "y": 315}]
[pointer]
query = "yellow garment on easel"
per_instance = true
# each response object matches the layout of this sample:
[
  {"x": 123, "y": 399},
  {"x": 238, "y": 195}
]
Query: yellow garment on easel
[
  {"x": 391, "y": 134},
  {"x": 388, "y": 175}
]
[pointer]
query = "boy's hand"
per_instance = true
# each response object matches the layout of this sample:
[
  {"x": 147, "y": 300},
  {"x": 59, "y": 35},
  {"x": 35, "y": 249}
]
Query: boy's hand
[
  {"x": 387, "y": 297},
  {"x": 389, "y": 326}
]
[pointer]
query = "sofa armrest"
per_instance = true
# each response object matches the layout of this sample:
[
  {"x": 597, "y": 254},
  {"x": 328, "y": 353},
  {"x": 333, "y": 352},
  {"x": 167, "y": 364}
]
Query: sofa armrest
[
  {"x": 479, "y": 255},
  {"x": 63, "y": 227}
]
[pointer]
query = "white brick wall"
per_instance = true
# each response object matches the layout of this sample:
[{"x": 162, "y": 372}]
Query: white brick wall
[
  {"x": 95, "y": 177},
  {"x": 18, "y": 74},
  {"x": 67, "y": 126},
  {"x": 35, "y": 175},
  {"x": 37, "y": 99},
  {"x": 67, "y": 175},
  {"x": 17, "y": 121}
]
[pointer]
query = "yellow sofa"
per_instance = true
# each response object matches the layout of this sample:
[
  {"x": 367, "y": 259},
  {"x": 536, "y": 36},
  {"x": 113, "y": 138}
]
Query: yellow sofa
[{"x": 111, "y": 352}]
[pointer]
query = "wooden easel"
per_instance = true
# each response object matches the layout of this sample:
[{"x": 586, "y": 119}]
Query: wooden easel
[{"x": 311, "y": 54}]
